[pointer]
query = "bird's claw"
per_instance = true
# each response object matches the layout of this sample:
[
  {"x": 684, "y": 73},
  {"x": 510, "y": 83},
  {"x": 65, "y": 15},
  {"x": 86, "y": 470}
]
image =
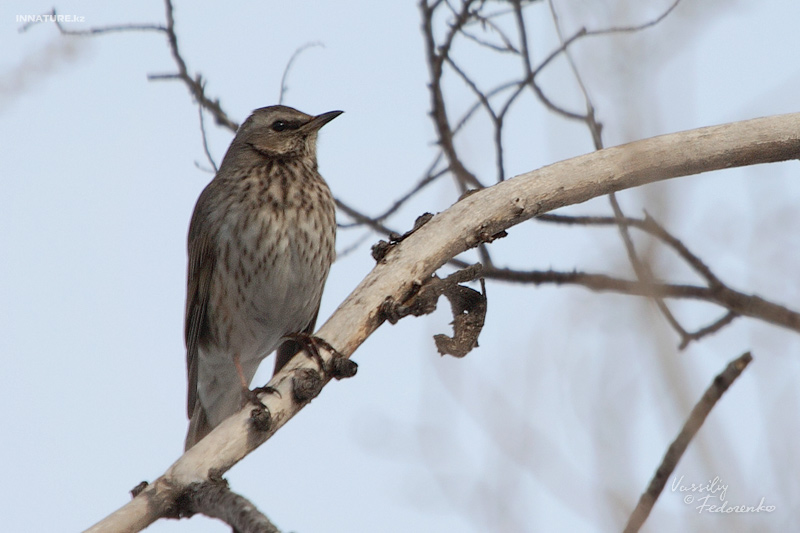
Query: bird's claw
[
  {"x": 260, "y": 415},
  {"x": 338, "y": 367}
]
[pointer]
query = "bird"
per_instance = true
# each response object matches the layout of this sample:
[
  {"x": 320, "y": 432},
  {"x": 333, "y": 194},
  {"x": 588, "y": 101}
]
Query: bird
[{"x": 261, "y": 243}]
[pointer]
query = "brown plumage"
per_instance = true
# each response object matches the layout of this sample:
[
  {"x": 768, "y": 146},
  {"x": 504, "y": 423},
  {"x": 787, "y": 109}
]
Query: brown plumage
[{"x": 261, "y": 242}]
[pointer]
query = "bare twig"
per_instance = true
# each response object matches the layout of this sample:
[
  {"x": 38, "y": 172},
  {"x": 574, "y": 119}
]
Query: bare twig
[
  {"x": 591, "y": 122},
  {"x": 712, "y": 328},
  {"x": 678, "y": 447},
  {"x": 196, "y": 84},
  {"x": 638, "y": 27},
  {"x": 360, "y": 218},
  {"x": 429, "y": 177},
  {"x": 649, "y": 225},
  {"x": 641, "y": 268},
  {"x": 486, "y": 21},
  {"x": 530, "y": 79},
  {"x": 355, "y": 245},
  {"x": 205, "y": 139},
  {"x": 436, "y": 56},
  {"x": 295, "y": 55},
  {"x": 736, "y": 302},
  {"x": 506, "y": 48},
  {"x": 497, "y": 120}
]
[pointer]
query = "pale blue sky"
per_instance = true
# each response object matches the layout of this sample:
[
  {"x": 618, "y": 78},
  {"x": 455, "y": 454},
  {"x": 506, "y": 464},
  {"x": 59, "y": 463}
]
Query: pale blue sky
[{"x": 555, "y": 423}]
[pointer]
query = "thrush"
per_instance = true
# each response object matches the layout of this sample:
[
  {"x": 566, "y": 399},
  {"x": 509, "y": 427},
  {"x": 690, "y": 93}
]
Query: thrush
[{"x": 261, "y": 243}]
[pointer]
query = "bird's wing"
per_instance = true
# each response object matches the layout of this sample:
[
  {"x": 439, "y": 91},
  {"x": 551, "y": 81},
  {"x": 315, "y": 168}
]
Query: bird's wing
[{"x": 202, "y": 236}]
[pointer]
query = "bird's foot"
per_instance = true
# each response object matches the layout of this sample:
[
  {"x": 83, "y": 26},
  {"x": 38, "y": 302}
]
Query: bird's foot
[
  {"x": 311, "y": 346},
  {"x": 338, "y": 367},
  {"x": 260, "y": 415}
]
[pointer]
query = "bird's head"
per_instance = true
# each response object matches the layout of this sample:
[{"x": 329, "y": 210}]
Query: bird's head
[{"x": 282, "y": 132}]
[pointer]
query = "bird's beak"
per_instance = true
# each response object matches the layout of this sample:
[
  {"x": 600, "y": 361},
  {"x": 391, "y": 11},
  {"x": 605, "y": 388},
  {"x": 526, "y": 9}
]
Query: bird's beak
[{"x": 320, "y": 120}]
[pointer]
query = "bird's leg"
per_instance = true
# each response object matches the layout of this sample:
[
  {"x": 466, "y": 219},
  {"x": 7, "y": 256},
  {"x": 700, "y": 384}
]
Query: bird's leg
[
  {"x": 260, "y": 416},
  {"x": 238, "y": 364},
  {"x": 247, "y": 394}
]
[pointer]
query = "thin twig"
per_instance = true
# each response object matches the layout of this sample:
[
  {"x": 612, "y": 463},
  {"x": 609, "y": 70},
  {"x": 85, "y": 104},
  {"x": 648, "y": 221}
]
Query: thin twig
[
  {"x": 737, "y": 302},
  {"x": 353, "y": 246},
  {"x": 648, "y": 225},
  {"x": 712, "y": 328},
  {"x": 497, "y": 121},
  {"x": 642, "y": 269},
  {"x": 566, "y": 43},
  {"x": 300, "y": 50},
  {"x": 637, "y": 27},
  {"x": 195, "y": 85},
  {"x": 362, "y": 219},
  {"x": 506, "y": 48},
  {"x": 678, "y": 447},
  {"x": 430, "y": 177},
  {"x": 436, "y": 55},
  {"x": 595, "y": 127},
  {"x": 651, "y": 226},
  {"x": 205, "y": 139}
]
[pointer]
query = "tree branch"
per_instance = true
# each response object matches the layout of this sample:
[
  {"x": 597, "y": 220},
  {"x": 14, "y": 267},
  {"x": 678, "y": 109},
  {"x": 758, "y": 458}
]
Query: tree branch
[
  {"x": 737, "y": 302},
  {"x": 681, "y": 442},
  {"x": 195, "y": 85},
  {"x": 213, "y": 498},
  {"x": 470, "y": 221},
  {"x": 436, "y": 56}
]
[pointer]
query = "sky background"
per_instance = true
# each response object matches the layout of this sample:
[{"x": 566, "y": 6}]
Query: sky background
[{"x": 556, "y": 422}]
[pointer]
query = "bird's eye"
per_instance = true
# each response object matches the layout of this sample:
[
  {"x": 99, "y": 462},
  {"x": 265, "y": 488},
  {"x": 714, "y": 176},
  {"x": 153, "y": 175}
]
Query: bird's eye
[{"x": 279, "y": 125}]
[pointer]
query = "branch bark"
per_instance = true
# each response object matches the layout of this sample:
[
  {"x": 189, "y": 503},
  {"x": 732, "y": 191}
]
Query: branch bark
[{"x": 469, "y": 222}]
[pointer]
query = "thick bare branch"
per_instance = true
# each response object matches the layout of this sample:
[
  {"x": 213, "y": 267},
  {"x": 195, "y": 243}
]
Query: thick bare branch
[{"x": 472, "y": 220}]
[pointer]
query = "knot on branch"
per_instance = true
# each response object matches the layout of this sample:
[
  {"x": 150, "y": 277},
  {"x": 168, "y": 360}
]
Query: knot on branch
[
  {"x": 381, "y": 248},
  {"x": 261, "y": 419},
  {"x": 306, "y": 385},
  {"x": 467, "y": 304},
  {"x": 135, "y": 491},
  {"x": 214, "y": 498},
  {"x": 340, "y": 367}
]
